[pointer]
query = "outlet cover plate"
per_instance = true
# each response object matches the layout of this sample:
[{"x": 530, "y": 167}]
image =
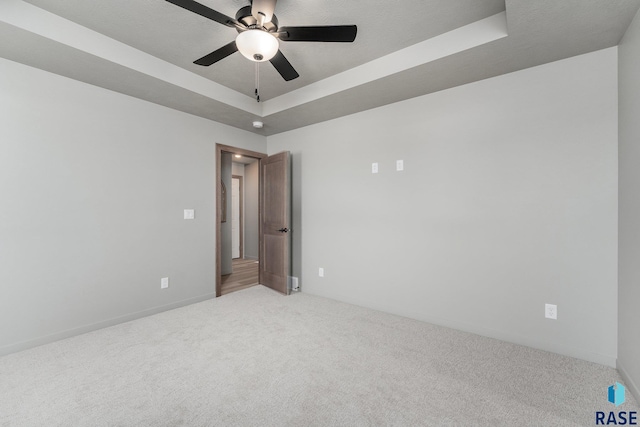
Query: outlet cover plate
[
  {"x": 164, "y": 283},
  {"x": 551, "y": 311}
]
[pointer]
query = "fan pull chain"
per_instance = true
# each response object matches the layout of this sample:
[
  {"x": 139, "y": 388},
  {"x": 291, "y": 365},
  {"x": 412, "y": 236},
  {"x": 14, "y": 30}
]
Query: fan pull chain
[{"x": 257, "y": 82}]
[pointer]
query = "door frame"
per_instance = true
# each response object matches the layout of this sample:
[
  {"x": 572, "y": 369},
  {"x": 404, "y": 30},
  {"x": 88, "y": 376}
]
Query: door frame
[{"x": 220, "y": 148}]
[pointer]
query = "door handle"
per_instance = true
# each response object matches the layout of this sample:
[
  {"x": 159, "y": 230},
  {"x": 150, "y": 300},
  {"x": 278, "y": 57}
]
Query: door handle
[{"x": 283, "y": 230}]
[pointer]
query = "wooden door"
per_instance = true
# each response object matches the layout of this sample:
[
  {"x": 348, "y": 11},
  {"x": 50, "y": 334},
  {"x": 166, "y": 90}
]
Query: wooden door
[{"x": 276, "y": 222}]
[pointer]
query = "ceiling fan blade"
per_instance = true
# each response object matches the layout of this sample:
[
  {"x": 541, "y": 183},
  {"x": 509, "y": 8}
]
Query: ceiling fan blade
[
  {"x": 329, "y": 33},
  {"x": 263, "y": 8},
  {"x": 284, "y": 67},
  {"x": 217, "y": 55},
  {"x": 203, "y": 10}
]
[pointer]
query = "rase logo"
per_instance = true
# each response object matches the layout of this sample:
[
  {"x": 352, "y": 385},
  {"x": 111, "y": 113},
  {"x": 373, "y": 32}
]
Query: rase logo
[{"x": 616, "y": 396}]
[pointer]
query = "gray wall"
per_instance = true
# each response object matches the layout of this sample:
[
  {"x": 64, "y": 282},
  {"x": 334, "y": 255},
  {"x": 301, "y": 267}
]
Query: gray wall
[
  {"x": 93, "y": 185},
  {"x": 508, "y": 201},
  {"x": 226, "y": 255},
  {"x": 629, "y": 227},
  {"x": 237, "y": 168},
  {"x": 251, "y": 212}
]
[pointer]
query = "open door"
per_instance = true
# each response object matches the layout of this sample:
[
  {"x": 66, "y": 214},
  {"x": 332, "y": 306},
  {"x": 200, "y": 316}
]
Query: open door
[{"x": 276, "y": 222}]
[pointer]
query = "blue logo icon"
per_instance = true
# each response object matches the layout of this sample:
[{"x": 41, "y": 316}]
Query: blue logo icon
[{"x": 616, "y": 394}]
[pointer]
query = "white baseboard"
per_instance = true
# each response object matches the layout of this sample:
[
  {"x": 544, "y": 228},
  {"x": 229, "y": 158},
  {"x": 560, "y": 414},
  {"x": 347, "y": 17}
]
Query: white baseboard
[
  {"x": 24, "y": 345},
  {"x": 559, "y": 348}
]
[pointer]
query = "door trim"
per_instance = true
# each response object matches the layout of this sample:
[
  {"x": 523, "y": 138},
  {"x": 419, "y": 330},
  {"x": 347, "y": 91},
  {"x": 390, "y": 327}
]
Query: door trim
[{"x": 220, "y": 148}]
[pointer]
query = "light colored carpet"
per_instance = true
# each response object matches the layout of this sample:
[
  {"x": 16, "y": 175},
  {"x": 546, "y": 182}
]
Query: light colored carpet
[{"x": 256, "y": 358}]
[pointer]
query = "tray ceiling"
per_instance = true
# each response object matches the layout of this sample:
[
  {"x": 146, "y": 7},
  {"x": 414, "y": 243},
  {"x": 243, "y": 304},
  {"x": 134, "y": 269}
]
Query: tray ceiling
[{"x": 146, "y": 48}]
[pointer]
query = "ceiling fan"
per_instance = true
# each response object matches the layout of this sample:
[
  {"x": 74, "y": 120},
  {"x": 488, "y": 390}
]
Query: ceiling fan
[{"x": 259, "y": 34}]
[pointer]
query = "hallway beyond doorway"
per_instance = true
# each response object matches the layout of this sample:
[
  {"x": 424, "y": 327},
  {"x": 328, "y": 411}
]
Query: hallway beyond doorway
[{"x": 245, "y": 275}]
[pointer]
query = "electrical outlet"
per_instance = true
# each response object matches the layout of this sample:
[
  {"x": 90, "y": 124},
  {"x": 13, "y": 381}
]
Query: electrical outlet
[
  {"x": 321, "y": 272},
  {"x": 551, "y": 311},
  {"x": 399, "y": 165},
  {"x": 374, "y": 168},
  {"x": 189, "y": 214},
  {"x": 164, "y": 283}
]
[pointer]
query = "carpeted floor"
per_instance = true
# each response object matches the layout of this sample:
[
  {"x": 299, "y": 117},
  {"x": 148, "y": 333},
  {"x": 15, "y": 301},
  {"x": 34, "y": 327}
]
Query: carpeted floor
[{"x": 256, "y": 358}]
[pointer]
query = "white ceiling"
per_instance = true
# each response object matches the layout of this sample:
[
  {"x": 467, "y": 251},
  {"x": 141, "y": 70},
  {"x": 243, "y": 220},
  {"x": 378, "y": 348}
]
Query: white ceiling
[{"x": 408, "y": 48}]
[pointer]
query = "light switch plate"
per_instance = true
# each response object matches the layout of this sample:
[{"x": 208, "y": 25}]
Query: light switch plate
[
  {"x": 374, "y": 168},
  {"x": 164, "y": 283},
  {"x": 399, "y": 165},
  {"x": 189, "y": 214},
  {"x": 321, "y": 272}
]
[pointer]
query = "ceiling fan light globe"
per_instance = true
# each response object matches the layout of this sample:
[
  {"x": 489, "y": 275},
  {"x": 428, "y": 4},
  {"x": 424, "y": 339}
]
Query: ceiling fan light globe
[{"x": 257, "y": 45}]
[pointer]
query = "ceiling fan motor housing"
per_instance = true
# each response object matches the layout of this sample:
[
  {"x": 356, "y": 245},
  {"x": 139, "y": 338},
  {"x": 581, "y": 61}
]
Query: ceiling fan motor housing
[{"x": 244, "y": 15}]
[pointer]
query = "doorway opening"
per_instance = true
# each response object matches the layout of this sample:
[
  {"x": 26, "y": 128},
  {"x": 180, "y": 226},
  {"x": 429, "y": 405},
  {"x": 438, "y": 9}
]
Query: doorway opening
[{"x": 238, "y": 225}]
